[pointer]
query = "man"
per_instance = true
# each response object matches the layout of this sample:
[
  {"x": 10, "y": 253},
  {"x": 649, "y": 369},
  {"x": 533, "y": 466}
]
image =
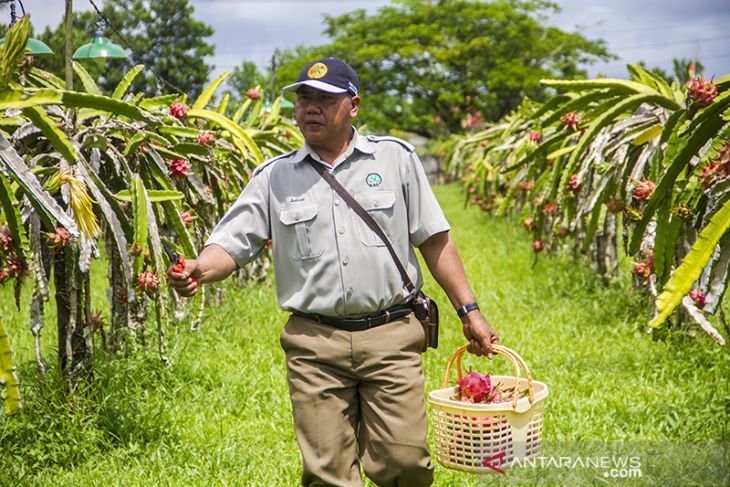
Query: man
[{"x": 353, "y": 346}]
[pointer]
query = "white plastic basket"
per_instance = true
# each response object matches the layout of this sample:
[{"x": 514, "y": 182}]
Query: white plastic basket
[{"x": 478, "y": 437}]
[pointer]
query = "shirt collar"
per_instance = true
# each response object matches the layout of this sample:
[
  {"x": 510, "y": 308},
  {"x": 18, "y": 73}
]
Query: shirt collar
[{"x": 358, "y": 142}]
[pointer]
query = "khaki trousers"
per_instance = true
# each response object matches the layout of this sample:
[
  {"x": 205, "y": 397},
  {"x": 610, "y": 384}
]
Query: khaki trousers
[{"x": 358, "y": 397}]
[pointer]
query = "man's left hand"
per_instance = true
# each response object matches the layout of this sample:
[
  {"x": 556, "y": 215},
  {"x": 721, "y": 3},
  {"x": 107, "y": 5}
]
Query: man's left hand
[{"x": 481, "y": 336}]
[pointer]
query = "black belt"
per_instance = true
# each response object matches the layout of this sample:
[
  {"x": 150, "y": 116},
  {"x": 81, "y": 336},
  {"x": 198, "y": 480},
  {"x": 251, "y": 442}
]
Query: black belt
[{"x": 363, "y": 322}]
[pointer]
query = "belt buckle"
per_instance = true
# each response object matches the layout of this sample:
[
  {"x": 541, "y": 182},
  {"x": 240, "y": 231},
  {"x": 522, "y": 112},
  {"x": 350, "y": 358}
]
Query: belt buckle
[{"x": 378, "y": 320}]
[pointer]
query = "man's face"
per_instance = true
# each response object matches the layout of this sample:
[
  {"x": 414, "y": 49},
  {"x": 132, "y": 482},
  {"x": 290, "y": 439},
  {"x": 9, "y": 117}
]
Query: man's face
[{"x": 322, "y": 116}]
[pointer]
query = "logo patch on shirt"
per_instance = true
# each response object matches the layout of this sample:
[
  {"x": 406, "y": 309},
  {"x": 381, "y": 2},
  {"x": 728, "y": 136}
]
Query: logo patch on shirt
[
  {"x": 294, "y": 199},
  {"x": 374, "y": 180}
]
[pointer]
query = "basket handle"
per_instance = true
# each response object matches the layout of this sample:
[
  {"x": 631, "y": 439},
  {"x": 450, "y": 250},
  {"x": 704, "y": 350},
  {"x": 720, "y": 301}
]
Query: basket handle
[{"x": 513, "y": 356}]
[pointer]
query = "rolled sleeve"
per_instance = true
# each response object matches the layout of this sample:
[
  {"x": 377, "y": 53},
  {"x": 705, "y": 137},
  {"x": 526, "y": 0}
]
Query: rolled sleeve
[
  {"x": 425, "y": 216},
  {"x": 244, "y": 229}
]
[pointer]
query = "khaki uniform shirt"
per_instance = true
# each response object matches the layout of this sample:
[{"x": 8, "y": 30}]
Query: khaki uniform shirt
[{"x": 326, "y": 259}]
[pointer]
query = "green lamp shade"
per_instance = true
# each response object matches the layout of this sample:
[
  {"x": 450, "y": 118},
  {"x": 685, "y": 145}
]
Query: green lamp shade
[
  {"x": 100, "y": 47},
  {"x": 34, "y": 46}
]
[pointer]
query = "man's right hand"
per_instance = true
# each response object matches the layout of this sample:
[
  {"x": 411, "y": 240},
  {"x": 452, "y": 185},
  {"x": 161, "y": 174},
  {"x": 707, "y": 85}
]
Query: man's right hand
[{"x": 185, "y": 283}]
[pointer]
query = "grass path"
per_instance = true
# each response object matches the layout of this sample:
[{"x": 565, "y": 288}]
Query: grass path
[{"x": 220, "y": 415}]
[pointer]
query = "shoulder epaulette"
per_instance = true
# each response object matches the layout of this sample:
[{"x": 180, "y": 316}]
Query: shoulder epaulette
[
  {"x": 384, "y": 138},
  {"x": 266, "y": 164}
]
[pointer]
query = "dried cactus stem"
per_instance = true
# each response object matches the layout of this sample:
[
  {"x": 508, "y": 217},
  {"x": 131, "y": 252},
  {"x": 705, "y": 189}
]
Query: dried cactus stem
[
  {"x": 119, "y": 298},
  {"x": 36, "y": 320},
  {"x": 71, "y": 342}
]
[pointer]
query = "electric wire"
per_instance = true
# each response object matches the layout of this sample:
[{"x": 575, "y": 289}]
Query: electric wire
[{"x": 159, "y": 77}]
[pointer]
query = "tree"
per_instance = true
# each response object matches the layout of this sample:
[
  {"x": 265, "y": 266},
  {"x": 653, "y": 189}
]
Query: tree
[
  {"x": 163, "y": 36},
  {"x": 427, "y": 65}
]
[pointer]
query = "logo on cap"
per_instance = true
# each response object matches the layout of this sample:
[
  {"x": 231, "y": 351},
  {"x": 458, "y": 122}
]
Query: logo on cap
[{"x": 317, "y": 71}]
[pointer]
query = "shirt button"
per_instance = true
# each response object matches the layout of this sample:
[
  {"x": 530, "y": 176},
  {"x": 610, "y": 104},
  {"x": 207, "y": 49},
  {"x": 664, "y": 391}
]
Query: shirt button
[
  {"x": 342, "y": 230},
  {"x": 296, "y": 218},
  {"x": 337, "y": 202},
  {"x": 349, "y": 291},
  {"x": 346, "y": 261}
]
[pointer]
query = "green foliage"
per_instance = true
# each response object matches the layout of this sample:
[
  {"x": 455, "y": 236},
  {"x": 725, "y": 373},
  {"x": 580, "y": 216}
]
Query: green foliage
[
  {"x": 611, "y": 162},
  {"x": 461, "y": 61},
  {"x": 79, "y": 157},
  {"x": 164, "y": 35},
  {"x": 692, "y": 265}
]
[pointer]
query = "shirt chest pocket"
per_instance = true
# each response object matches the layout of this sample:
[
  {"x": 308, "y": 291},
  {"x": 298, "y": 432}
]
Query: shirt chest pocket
[
  {"x": 297, "y": 224},
  {"x": 380, "y": 206}
]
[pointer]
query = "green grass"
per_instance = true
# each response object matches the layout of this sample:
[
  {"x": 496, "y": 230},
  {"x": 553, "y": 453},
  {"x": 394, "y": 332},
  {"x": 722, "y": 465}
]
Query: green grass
[{"x": 220, "y": 414}]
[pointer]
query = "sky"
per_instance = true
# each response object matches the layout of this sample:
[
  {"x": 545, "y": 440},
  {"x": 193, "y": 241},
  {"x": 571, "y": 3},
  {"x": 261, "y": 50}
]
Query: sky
[{"x": 654, "y": 31}]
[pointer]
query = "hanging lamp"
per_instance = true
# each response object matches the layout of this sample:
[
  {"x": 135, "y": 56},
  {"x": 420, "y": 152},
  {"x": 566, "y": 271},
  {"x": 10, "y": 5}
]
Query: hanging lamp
[{"x": 100, "y": 46}]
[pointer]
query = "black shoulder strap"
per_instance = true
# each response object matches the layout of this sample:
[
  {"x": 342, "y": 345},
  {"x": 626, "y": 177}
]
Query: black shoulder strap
[{"x": 362, "y": 213}]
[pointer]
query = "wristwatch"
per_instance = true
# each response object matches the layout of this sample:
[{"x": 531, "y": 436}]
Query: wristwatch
[{"x": 466, "y": 308}]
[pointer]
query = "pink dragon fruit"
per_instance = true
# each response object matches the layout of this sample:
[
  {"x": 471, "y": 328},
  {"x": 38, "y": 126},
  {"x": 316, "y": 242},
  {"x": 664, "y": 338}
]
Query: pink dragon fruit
[
  {"x": 550, "y": 208},
  {"x": 476, "y": 387},
  {"x": 526, "y": 185},
  {"x": 186, "y": 218},
  {"x": 644, "y": 190},
  {"x": 6, "y": 240},
  {"x": 204, "y": 138},
  {"x": 253, "y": 94},
  {"x": 698, "y": 298},
  {"x": 179, "y": 110},
  {"x": 571, "y": 121},
  {"x": 148, "y": 282},
  {"x": 574, "y": 184},
  {"x": 179, "y": 168},
  {"x": 701, "y": 91},
  {"x": 59, "y": 238},
  {"x": 14, "y": 268}
]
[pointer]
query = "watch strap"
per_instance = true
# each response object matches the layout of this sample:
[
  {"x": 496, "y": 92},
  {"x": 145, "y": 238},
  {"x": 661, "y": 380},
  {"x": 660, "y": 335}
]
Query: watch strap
[{"x": 466, "y": 308}]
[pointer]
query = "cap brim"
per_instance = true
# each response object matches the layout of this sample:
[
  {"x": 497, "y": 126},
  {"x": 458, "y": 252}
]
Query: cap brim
[{"x": 317, "y": 85}]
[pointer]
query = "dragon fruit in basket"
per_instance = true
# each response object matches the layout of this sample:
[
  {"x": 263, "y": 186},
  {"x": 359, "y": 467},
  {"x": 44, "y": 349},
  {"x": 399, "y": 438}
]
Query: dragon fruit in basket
[{"x": 478, "y": 388}]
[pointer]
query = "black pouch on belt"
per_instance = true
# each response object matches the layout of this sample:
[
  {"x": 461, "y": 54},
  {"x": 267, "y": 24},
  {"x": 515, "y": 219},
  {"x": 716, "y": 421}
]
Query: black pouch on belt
[
  {"x": 427, "y": 312},
  {"x": 424, "y": 307}
]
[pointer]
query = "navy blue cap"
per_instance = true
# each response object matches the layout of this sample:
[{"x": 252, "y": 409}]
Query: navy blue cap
[{"x": 327, "y": 74}]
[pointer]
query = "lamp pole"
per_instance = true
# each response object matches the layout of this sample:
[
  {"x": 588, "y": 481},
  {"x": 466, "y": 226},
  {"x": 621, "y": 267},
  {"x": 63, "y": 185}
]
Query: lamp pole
[{"x": 69, "y": 45}]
